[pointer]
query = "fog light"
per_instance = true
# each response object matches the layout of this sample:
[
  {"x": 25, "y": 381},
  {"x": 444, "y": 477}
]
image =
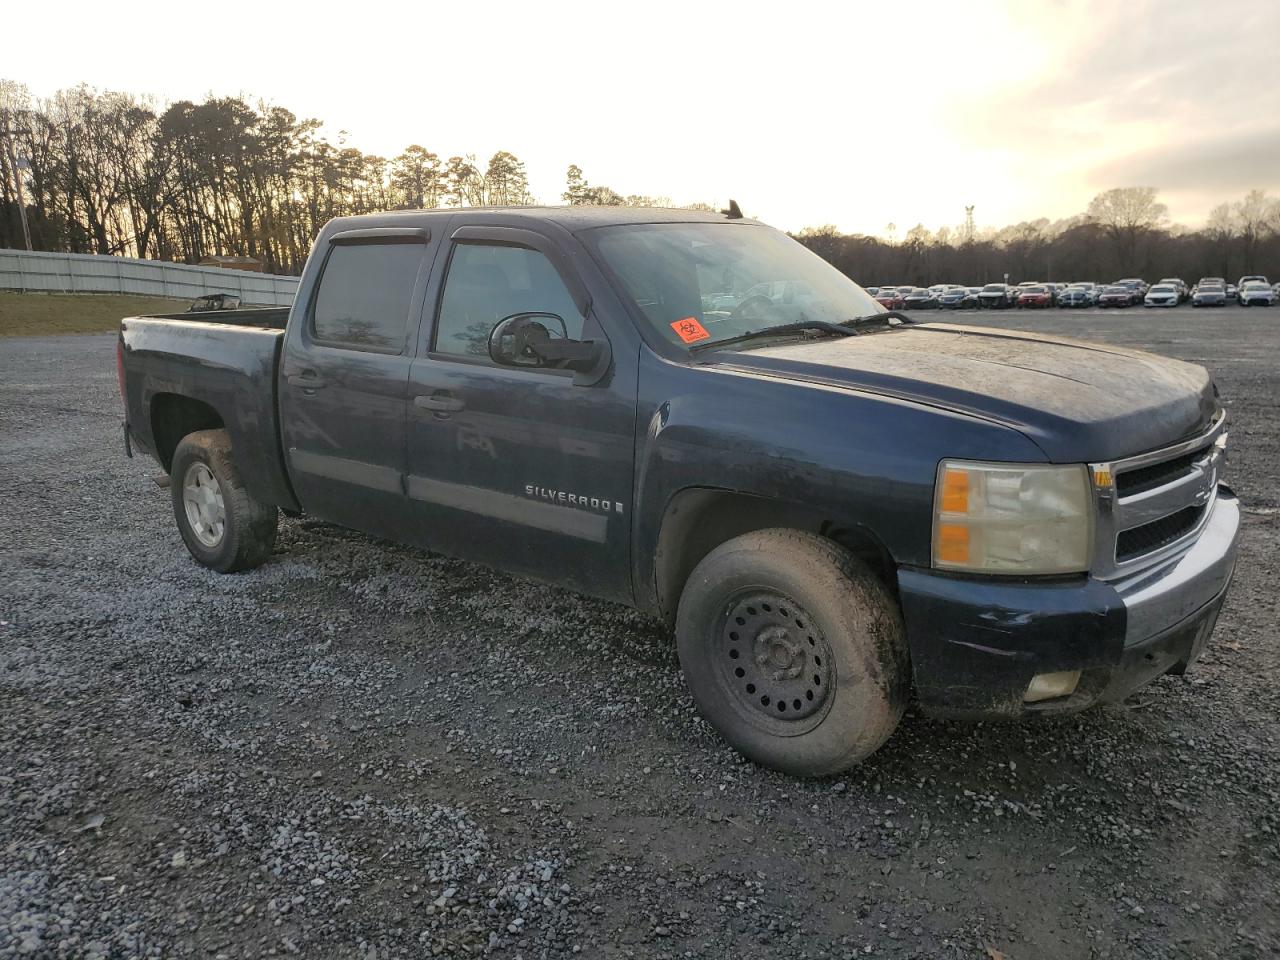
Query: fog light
[{"x": 1046, "y": 686}]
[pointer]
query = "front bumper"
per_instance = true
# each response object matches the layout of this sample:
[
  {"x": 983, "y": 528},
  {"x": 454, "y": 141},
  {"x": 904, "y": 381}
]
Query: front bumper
[{"x": 977, "y": 642}]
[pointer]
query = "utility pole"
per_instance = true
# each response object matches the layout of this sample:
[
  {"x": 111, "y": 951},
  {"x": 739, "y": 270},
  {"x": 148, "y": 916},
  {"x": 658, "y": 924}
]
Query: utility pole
[{"x": 17, "y": 176}]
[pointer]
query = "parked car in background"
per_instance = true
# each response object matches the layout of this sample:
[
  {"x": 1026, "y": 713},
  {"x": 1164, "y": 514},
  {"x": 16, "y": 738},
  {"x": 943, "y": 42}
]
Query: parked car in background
[
  {"x": 1162, "y": 295},
  {"x": 1116, "y": 295},
  {"x": 1231, "y": 290},
  {"x": 1252, "y": 278},
  {"x": 1256, "y": 293},
  {"x": 1136, "y": 286},
  {"x": 889, "y": 298},
  {"x": 972, "y": 298},
  {"x": 1075, "y": 297},
  {"x": 1035, "y": 296},
  {"x": 1184, "y": 291},
  {"x": 1025, "y": 284},
  {"x": 1212, "y": 281},
  {"x": 1089, "y": 286},
  {"x": 1275, "y": 287},
  {"x": 953, "y": 298},
  {"x": 921, "y": 298},
  {"x": 1209, "y": 294},
  {"x": 996, "y": 296}
]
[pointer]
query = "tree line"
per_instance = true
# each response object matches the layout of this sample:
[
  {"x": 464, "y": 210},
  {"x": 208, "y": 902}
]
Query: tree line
[
  {"x": 1124, "y": 232},
  {"x": 114, "y": 173},
  {"x": 111, "y": 173}
]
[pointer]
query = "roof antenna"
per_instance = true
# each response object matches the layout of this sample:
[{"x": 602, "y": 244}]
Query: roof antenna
[{"x": 733, "y": 213}]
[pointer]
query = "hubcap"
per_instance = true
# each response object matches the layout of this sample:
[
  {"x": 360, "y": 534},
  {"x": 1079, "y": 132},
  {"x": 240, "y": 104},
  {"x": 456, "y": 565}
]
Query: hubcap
[
  {"x": 773, "y": 659},
  {"x": 202, "y": 500}
]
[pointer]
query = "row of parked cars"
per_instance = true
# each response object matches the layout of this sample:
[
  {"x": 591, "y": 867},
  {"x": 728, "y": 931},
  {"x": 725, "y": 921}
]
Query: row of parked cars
[{"x": 1249, "y": 291}]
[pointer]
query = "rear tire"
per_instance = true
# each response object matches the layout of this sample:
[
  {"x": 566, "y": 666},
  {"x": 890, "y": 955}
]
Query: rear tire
[
  {"x": 224, "y": 528},
  {"x": 794, "y": 651}
]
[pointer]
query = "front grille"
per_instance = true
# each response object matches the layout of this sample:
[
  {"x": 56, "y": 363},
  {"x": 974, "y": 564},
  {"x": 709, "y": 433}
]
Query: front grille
[
  {"x": 1158, "y": 474},
  {"x": 1156, "y": 534},
  {"x": 1156, "y": 502}
]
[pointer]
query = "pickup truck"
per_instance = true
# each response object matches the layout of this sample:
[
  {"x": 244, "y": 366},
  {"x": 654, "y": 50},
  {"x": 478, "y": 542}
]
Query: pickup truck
[{"x": 834, "y": 508}]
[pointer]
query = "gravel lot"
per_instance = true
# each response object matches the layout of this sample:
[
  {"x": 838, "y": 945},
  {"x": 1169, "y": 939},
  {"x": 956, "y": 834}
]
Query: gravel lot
[{"x": 365, "y": 751}]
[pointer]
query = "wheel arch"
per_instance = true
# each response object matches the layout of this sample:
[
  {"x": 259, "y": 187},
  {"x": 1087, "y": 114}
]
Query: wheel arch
[
  {"x": 698, "y": 519},
  {"x": 173, "y": 416}
]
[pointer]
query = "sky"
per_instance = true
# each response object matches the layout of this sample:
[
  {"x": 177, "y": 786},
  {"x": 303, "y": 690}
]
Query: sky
[{"x": 854, "y": 114}]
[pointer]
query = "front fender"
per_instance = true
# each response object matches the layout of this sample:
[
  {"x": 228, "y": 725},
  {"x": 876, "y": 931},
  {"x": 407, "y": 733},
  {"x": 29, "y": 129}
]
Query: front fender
[{"x": 859, "y": 459}]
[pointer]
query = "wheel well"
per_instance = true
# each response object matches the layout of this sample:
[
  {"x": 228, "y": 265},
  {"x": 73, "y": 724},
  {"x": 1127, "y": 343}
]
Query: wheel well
[
  {"x": 698, "y": 521},
  {"x": 173, "y": 416}
]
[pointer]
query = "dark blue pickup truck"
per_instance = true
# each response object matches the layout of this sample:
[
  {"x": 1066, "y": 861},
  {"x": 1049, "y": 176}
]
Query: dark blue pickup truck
[{"x": 835, "y": 508}]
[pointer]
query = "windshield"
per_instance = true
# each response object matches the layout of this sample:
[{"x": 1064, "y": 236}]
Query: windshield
[
  {"x": 1033, "y": 290},
  {"x": 1162, "y": 288},
  {"x": 993, "y": 288},
  {"x": 703, "y": 282}
]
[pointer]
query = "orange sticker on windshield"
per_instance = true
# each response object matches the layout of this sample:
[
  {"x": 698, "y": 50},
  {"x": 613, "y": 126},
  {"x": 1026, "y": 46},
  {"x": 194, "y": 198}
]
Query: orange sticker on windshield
[{"x": 690, "y": 330}]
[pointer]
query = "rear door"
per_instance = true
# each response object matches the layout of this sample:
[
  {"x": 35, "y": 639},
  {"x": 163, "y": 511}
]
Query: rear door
[
  {"x": 344, "y": 375},
  {"x": 523, "y": 469}
]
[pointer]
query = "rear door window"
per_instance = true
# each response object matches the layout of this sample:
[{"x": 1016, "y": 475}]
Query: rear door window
[{"x": 365, "y": 291}]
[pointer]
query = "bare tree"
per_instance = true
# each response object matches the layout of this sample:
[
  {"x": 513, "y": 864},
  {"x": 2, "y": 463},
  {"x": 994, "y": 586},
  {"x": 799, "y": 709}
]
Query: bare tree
[
  {"x": 1255, "y": 217},
  {"x": 1127, "y": 214}
]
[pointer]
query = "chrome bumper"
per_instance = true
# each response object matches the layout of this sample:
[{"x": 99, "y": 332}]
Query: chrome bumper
[{"x": 1174, "y": 589}]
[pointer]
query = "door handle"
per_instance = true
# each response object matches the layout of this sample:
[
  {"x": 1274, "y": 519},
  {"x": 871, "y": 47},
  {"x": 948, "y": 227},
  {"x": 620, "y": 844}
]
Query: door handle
[
  {"x": 440, "y": 403},
  {"x": 307, "y": 380}
]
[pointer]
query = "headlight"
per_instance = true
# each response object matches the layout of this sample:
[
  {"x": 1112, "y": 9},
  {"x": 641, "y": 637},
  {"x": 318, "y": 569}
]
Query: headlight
[{"x": 1020, "y": 519}]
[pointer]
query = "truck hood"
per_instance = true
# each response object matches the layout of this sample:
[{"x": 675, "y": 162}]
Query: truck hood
[{"x": 1077, "y": 401}]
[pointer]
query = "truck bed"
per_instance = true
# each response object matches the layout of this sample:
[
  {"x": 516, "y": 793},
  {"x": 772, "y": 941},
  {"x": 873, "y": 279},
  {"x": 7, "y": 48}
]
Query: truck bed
[{"x": 225, "y": 362}]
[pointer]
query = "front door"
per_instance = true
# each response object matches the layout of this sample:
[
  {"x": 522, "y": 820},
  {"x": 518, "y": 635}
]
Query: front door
[
  {"x": 343, "y": 379},
  {"x": 523, "y": 469}
]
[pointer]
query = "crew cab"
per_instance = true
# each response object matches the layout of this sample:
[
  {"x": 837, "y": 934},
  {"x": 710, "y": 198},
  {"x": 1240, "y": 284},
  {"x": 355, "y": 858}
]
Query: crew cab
[{"x": 834, "y": 508}]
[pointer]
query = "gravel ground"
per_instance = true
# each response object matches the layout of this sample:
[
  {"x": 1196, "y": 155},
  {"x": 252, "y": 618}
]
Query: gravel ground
[{"x": 367, "y": 751}]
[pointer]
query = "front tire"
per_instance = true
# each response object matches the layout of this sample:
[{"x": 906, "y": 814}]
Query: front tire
[
  {"x": 224, "y": 528},
  {"x": 794, "y": 651}
]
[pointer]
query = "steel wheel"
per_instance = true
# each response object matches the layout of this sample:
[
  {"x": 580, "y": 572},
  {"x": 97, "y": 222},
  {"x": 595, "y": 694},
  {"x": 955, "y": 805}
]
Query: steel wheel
[
  {"x": 202, "y": 500},
  {"x": 774, "y": 663}
]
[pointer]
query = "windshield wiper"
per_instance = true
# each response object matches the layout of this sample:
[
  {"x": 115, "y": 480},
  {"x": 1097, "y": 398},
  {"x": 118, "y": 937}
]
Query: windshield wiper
[
  {"x": 887, "y": 317},
  {"x": 802, "y": 326}
]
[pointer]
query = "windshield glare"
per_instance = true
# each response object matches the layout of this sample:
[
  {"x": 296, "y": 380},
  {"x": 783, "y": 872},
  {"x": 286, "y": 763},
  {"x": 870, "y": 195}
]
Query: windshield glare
[{"x": 730, "y": 279}]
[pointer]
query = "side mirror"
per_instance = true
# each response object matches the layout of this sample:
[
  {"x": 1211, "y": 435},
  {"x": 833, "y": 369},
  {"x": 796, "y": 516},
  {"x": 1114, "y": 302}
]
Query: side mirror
[{"x": 540, "y": 340}]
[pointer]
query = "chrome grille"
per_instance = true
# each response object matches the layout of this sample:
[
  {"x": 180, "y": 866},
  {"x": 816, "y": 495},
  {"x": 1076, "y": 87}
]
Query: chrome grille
[
  {"x": 1136, "y": 541},
  {"x": 1132, "y": 482},
  {"x": 1154, "y": 505}
]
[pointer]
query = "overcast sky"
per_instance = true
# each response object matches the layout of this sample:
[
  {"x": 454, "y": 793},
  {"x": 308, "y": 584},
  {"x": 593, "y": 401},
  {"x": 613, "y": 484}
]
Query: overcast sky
[{"x": 857, "y": 114}]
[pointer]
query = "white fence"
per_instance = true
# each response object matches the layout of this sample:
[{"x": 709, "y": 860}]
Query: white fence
[{"x": 88, "y": 273}]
